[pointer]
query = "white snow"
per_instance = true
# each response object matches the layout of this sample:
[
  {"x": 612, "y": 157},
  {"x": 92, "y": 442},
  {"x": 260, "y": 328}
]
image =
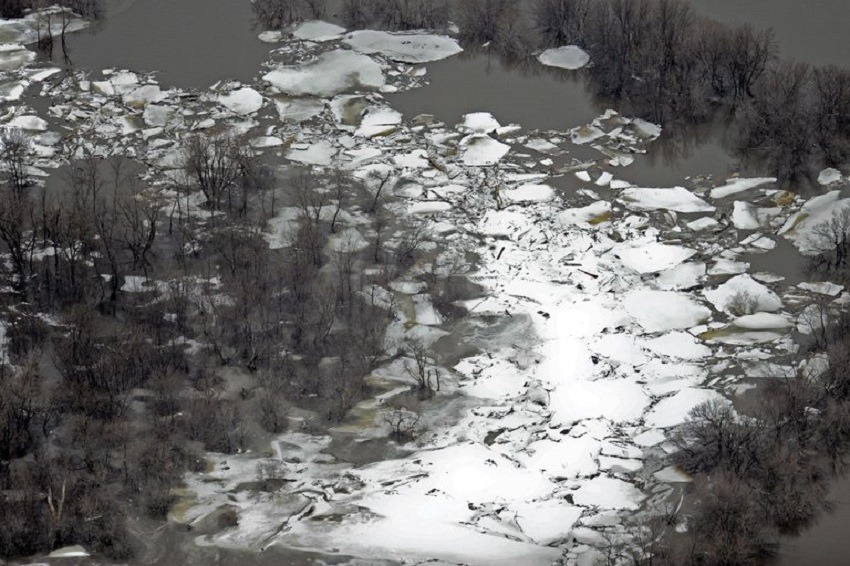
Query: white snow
[
  {"x": 328, "y": 74},
  {"x": 678, "y": 199},
  {"x": 405, "y": 47},
  {"x": 590, "y": 213},
  {"x": 567, "y": 57},
  {"x": 243, "y": 101}
]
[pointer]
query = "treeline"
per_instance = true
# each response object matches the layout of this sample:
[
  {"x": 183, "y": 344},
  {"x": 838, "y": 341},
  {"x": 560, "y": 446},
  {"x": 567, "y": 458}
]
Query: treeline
[{"x": 126, "y": 308}]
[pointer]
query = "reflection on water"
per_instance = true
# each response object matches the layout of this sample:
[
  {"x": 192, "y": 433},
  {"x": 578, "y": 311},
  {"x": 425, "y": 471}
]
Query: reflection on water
[
  {"x": 192, "y": 43},
  {"x": 814, "y": 31},
  {"x": 825, "y": 542}
]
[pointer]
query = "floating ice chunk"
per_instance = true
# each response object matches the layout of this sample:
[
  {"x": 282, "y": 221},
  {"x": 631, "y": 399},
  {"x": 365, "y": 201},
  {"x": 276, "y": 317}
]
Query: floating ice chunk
[
  {"x": 530, "y": 193},
  {"x": 829, "y": 176},
  {"x": 824, "y": 288},
  {"x": 734, "y": 186},
  {"x": 762, "y": 321},
  {"x": 266, "y": 141},
  {"x": 672, "y": 474},
  {"x": 317, "y": 30},
  {"x": 724, "y": 266},
  {"x": 673, "y": 411},
  {"x": 429, "y": 207},
  {"x": 416, "y": 159},
  {"x": 298, "y": 110},
  {"x": 541, "y": 145},
  {"x": 479, "y": 123},
  {"x": 143, "y": 95},
  {"x": 320, "y": 153},
  {"x": 678, "y": 345},
  {"x": 585, "y": 134},
  {"x": 569, "y": 57},
  {"x": 677, "y": 199},
  {"x": 480, "y": 150},
  {"x": 595, "y": 213},
  {"x": 681, "y": 276},
  {"x": 243, "y": 101},
  {"x": 608, "y": 493},
  {"x": 406, "y": 47},
  {"x": 270, "y": 36},
  {"x": 604, "y": 179},
  {"x": 746, "y": 216},
  {"x": 13, "y": 57},
  {"x": 75, "y": 551},
  {"x": 743, "y": 292},
  {"x": 13, "y": 90},
  {"x": 658, "y": 311},
  {"x": 28, "y": 122},
  {"x": 583, "y": 176},
  {"x": 653, "y": 257},
  {"x": 379, "y": 122},
  {"x": 328, "y": 74},
  {"x": 105, "y": 88},
  {"x": 157, "y": 115}
]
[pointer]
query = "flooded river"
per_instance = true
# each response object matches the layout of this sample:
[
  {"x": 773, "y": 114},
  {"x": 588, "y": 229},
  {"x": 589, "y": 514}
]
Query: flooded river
[
  {"x": 195, "y": 43},
  {"x": 191, "y": 43}
]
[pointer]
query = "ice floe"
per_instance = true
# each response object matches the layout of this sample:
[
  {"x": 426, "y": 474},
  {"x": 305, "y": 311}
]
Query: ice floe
[
  {"x": 569, "y": 57},
  {"x": 678, "y": 199},
  {"x": 328, "y": 74},
  {"x": 406, "y": 47}
]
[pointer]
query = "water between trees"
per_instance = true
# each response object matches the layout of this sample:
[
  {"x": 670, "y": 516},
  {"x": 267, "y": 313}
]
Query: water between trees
[{"x": 194, "y": 43}]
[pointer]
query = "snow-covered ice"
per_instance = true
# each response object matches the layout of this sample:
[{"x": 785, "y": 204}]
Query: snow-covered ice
[
  {"x": 569, "y": 57},
  {"x": 328, "y": 74},
  {"x": 405, "y": 47}
]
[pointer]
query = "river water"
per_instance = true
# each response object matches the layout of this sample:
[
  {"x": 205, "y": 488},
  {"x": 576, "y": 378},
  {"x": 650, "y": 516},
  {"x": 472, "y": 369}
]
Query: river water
[{"x": 195, "y": 43}]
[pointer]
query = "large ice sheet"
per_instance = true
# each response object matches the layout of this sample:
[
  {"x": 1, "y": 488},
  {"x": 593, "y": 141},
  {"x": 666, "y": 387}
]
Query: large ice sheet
[
  {"x": 658, "y": 311},
  {"x": 678, "y": 199},
  {"x": 406, "y": 47},
  {"x": 328, "y": 74}
]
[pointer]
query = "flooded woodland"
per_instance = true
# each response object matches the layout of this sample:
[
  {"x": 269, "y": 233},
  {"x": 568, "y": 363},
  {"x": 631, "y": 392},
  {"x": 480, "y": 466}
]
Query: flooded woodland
[{"x": 470, "y": 282}]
